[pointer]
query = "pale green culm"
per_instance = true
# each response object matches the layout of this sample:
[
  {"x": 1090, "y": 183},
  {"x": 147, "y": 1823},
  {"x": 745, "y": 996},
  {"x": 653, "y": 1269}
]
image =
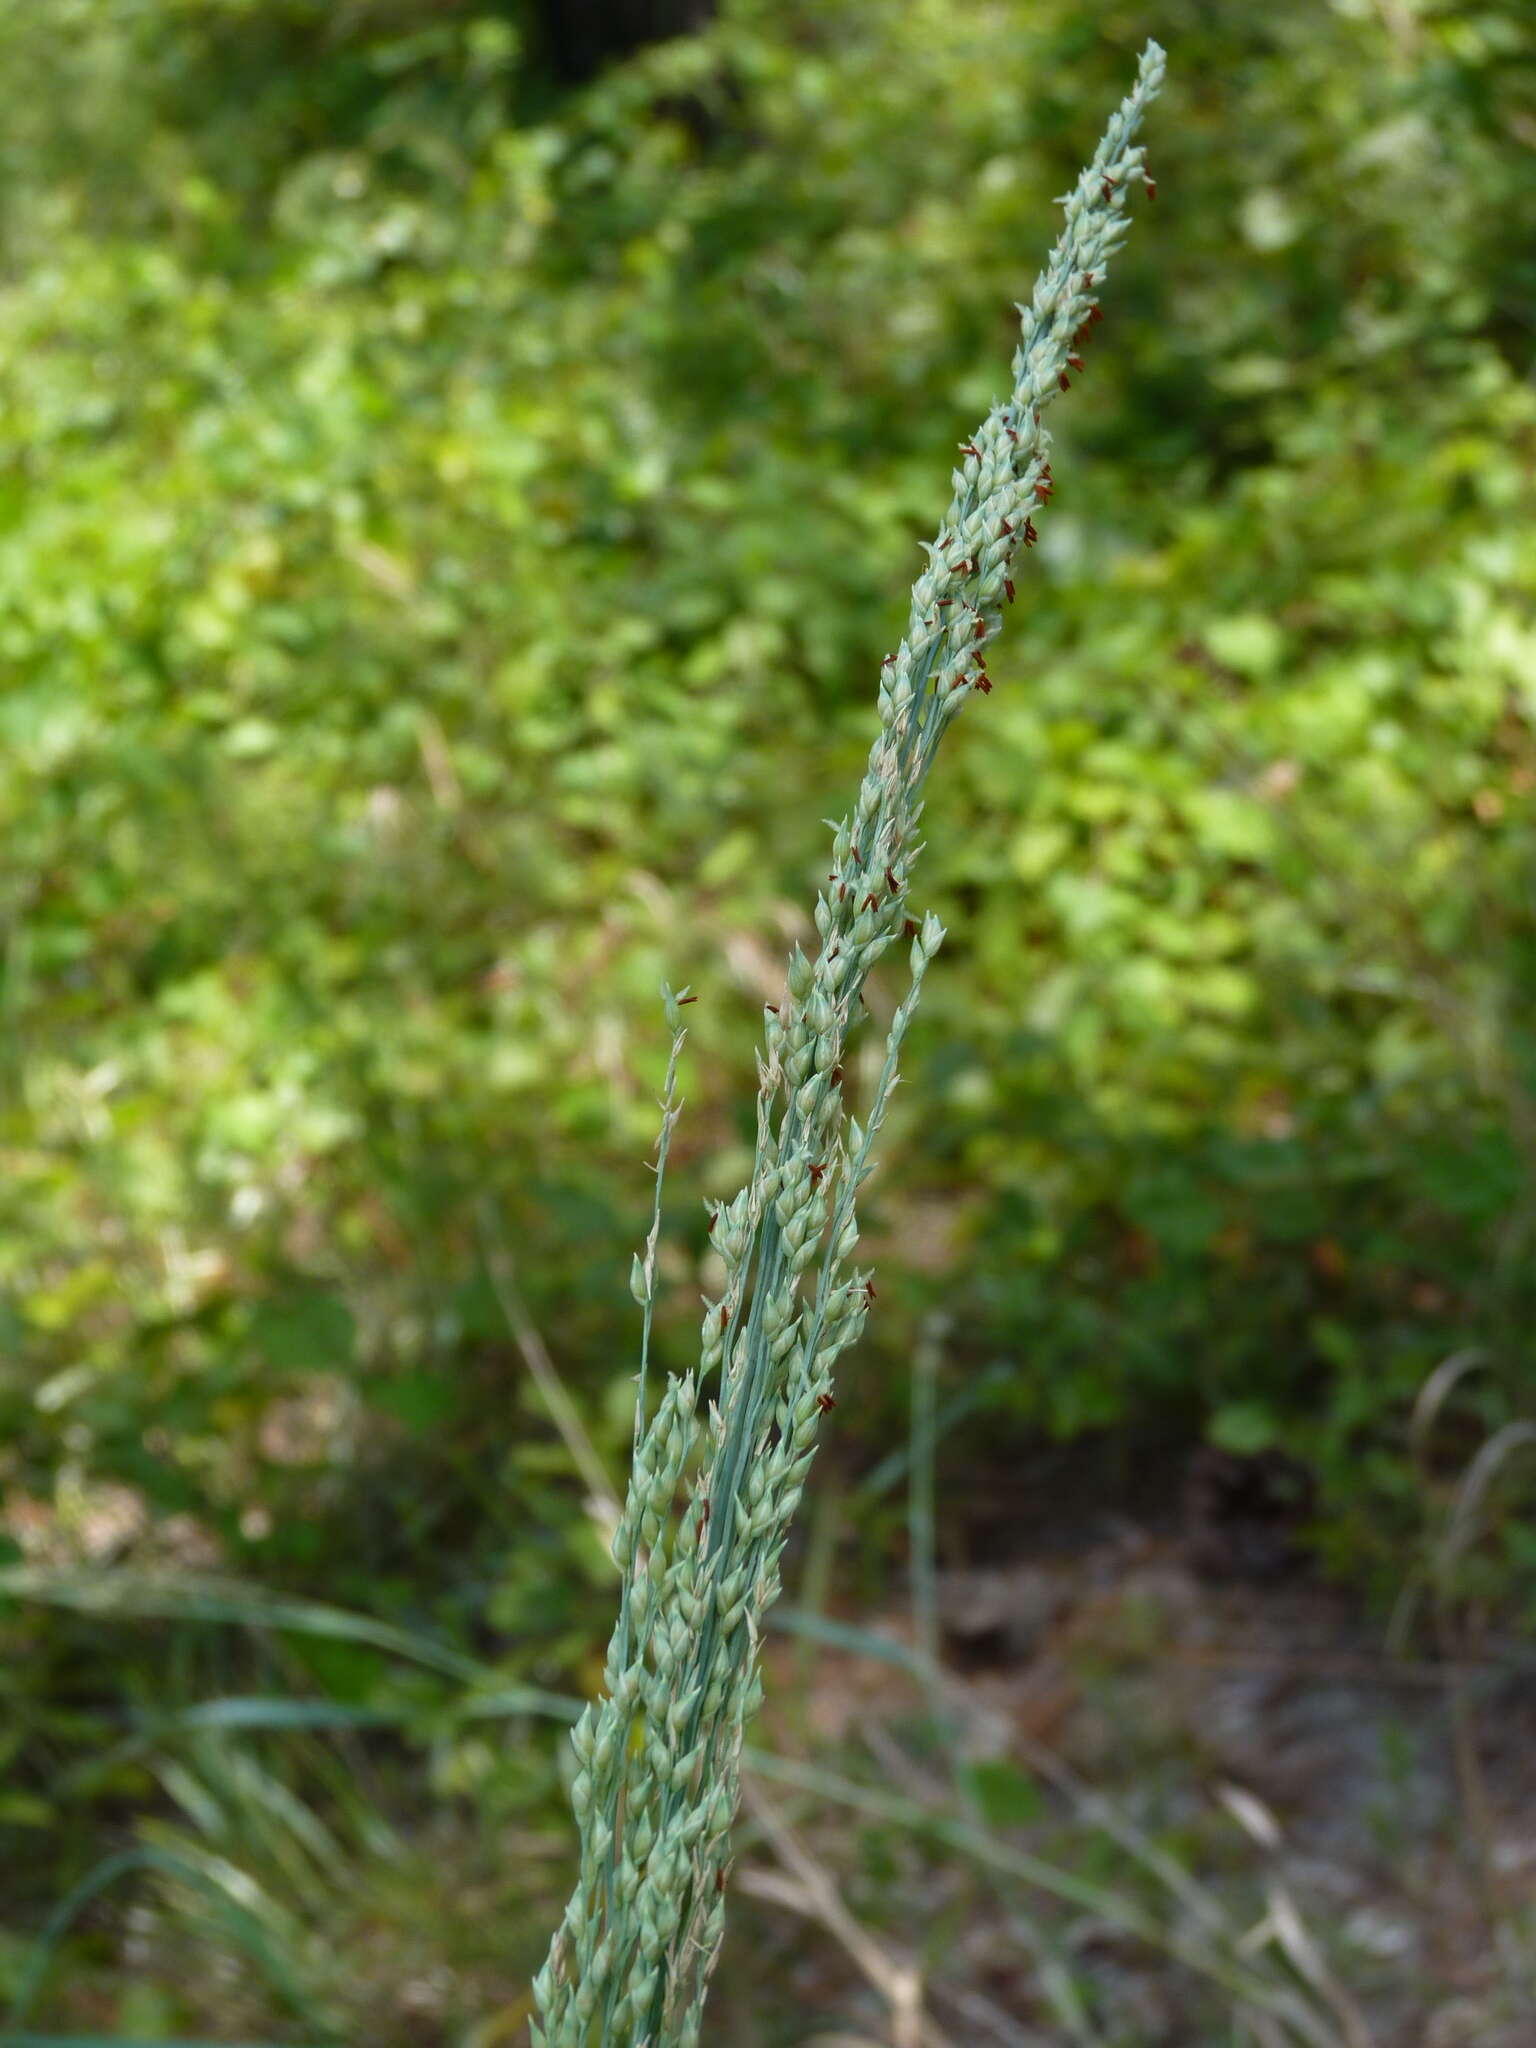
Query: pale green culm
[{"x": 659, "y": 1754}]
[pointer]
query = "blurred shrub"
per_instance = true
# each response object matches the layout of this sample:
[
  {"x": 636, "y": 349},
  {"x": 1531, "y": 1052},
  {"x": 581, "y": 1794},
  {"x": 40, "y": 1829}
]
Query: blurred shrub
[{"x": 440, "y": 520}]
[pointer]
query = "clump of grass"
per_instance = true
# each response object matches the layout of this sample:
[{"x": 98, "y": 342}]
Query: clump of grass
[{"x": 698, "y": 1545}]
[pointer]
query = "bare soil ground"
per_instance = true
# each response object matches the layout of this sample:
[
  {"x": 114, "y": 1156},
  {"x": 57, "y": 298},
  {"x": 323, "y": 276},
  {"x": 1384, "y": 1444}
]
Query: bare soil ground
[{"x": 1146, "y": 1674}]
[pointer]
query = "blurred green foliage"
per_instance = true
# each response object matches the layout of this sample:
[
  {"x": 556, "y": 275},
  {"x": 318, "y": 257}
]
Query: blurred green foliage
[{"x": 448, "y": 531}]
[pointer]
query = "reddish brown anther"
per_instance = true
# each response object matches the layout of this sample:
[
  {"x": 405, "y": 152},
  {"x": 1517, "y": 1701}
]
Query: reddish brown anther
[
  {"x": 1151, "y": 185},
  {"x": 891, "y": 883},
  {"x": 983, "y": 683},
  {"x": 1076, "y": 362},
  {"x": 835, "y": 1076},
  {"x": 871, "y": 902},
  {"x": 686, "y": 999},
  {"x": 1008, "y": 587},
  {"x": 981, "y": 629},
  {"x": 1064, "y": 381},
  {"x": 825, "y": 1403},
  {"x": 816, "y": 1172},
  {"x": 969, "y": 448},
  {"x": 725, "y": 1316},
  {"x": 1030, "y": 535},
  {"x": 910, "y": 928}
]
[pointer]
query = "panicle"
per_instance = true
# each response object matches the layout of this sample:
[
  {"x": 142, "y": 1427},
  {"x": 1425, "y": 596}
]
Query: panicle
[{"x": 657, "y": 1757}]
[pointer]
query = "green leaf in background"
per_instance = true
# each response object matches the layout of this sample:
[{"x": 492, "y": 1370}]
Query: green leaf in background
[
  {"x": 1243, "y": 1427},
  {"x": 304, "y": 1332}
]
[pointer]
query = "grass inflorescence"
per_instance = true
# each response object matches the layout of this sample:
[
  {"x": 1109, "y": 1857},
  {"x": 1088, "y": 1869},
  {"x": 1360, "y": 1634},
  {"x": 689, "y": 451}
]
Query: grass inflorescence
[{"x": 699, "y": 1541}]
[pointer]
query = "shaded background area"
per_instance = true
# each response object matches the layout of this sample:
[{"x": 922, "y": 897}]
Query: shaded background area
[{"x": 460, "y": 468}]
